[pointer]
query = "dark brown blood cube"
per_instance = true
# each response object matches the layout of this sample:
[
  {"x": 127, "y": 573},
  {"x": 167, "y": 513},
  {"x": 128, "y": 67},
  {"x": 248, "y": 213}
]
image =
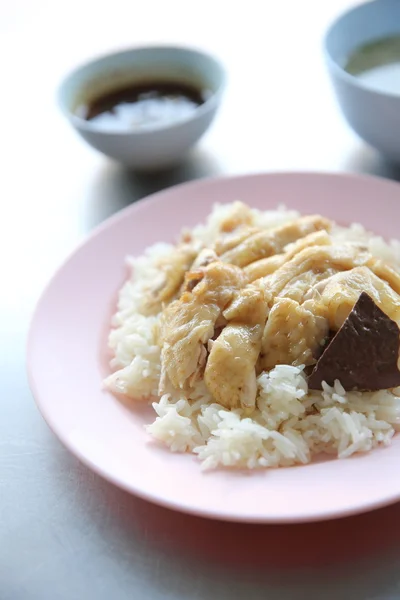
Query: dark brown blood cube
[{"x": 363, "y": 354}]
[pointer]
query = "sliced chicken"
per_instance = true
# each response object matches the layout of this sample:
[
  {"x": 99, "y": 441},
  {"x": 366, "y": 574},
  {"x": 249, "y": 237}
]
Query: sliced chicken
[
  {"x": 204, "y": 258},
  {"x": 293, "y": 335},
  {"x": 312, "y": 265},
  {"x": 235, "y": 224},
  {"x": 266, "y": 266},
  {"x": 340, "y": 293},
  {"x": 316, "y": 264},
  {"x": 315, "y": 292},
  {"x": 188, "y": 323},
  {"x": 268, "y": 242},
  {"x": 230, "y": 373},
  {"x": 385, "y": 272},
  {"x": 230, "y": 240},
  {"x": 240, "y": 215},
  {"x": 172, "y": 272},
  {"x": 257, "y": 298},
  {"x": 263, "y": 267}
]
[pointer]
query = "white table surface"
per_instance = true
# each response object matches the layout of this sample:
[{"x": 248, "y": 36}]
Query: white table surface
[{"x": 65, "y": 534}]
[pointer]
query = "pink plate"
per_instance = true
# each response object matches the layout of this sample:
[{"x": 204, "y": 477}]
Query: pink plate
[{"x": 66, "y": 361}]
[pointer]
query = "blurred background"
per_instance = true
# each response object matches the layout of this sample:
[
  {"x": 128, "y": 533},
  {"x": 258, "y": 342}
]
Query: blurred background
[
  {"x": 65, "y": 533},
  {"x": 278, "y": 112}
]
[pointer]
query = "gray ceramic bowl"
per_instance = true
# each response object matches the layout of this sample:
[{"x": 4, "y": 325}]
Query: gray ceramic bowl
[
  {"x": 374, "y": 115},
  {"x": 162, "y": 145}
]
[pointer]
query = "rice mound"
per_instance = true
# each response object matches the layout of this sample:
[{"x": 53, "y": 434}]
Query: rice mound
[{"x": 290, "y": 424}]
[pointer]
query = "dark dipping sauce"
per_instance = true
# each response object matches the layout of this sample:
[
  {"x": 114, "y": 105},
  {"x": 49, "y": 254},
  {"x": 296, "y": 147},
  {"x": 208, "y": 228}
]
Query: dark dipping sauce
[{"x": 143, "y": 105}]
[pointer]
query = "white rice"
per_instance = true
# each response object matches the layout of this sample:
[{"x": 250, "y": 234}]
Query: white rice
[{"x": 290, "y": 425}]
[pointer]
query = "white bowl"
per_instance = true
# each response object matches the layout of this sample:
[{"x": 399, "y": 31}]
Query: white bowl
[
  {"x": 374, "y": 115},
  {"x": 162, "y": 145}
]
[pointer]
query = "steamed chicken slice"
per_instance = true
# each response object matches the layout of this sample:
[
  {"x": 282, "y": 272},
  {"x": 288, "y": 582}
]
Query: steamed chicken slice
[
  {"x": 293, "y": 334},
  {"x": 315, "y": 264},
  {"x": 235, "y": 228},
  {"x": 230, "y": 240},
  {"x": 294, "y": 331},
  {"x": 267, "y": 266},
  {"x": 230, "y": 373},
  {"x": 312, "y": 265},
  {"x": 240, "y": 214},
  {"x": 268, "y": 242},
  {"x": 314, "y": 292},
  {"x": 204, "y": 258},
  {"x": 188, "y": 323},
  {"x": 339, "y": 294},
  {"x": 385, "y": 272},
  {"x": 172, "y": 272}
]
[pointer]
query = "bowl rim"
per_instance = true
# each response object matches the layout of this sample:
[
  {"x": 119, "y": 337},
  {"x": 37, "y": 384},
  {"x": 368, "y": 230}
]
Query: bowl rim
[
  {"x": 337, "y": 68},
  {"x": 209, "y": 104}
]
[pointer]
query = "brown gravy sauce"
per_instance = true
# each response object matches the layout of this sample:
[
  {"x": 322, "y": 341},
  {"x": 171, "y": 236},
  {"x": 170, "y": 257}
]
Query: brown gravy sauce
[{"x": 143, "y": 105}]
